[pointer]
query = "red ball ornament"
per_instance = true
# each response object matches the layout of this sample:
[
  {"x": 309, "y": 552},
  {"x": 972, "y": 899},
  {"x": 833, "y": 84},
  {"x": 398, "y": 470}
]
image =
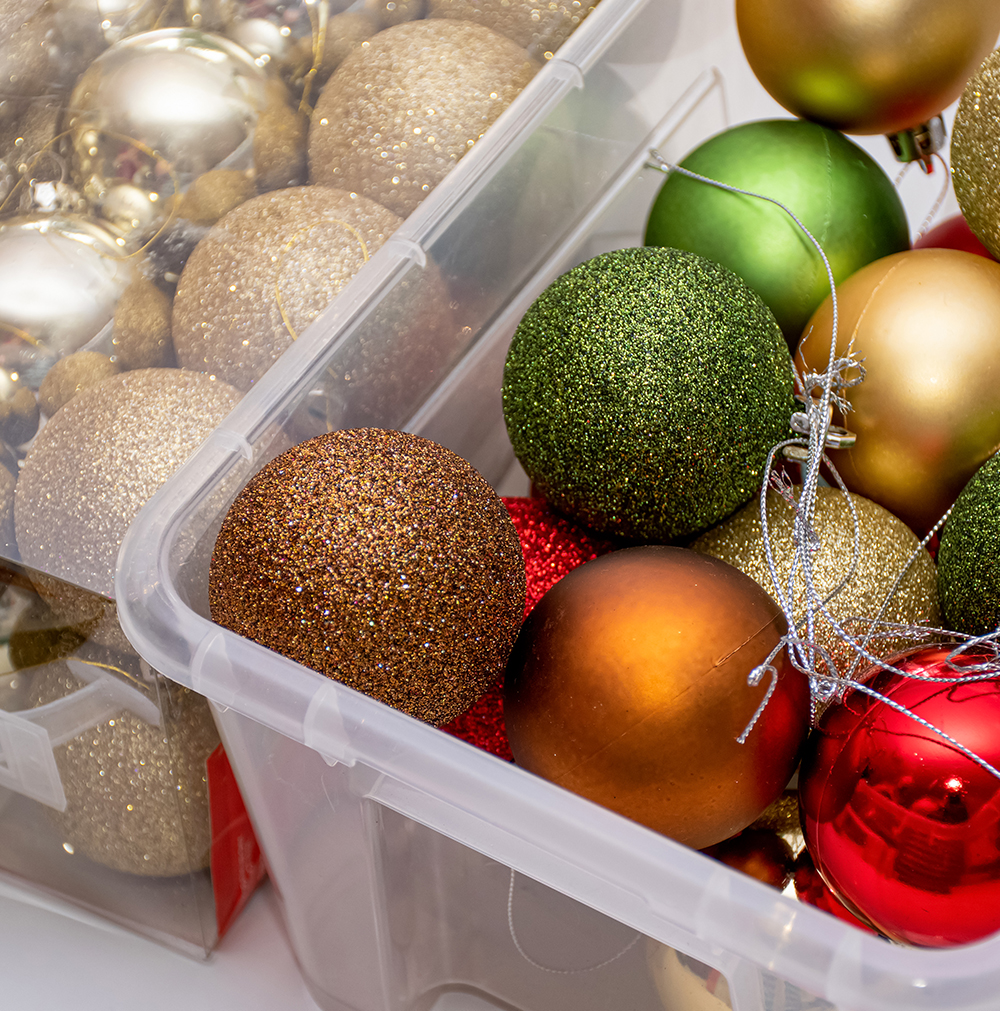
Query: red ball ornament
[
  {"x": 902, "y": 825},
  {"x": 953, "y": 233}
]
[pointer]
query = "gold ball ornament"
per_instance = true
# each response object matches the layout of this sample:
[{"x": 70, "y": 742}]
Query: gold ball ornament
[
  {"x": 214, "y": 194},
  {"x": 72, "y": 374},
  {"x": 279, "y": 143},
  {"x": 926, "y": 325},
  {"x": 8, "y": 544},
  {"x": 975, "y": 153},
  {"x": 19, "y": 414},
  {"x": 99, "y": 459},
  {"x": 399, "y": 112},
  {"x": 377, "y": 558},
  {"x": 394, "y": 12},
  {"x": 141, "y": 335},
  {"x": 540, "y": 28},
  {"x": 875, "y": 67},
  {"x": 886, "y": 544}
]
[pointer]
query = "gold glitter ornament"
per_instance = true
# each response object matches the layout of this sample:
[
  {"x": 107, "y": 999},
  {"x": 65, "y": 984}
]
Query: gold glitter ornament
[
  {"x": 344, "y": 33},
  {"x": 214, "y": 194},
  {"x": 7, "y": 542},
  {"x": 141, "y": 338},
  {"x": 99, "y": 459},
  {"x": 19, "y": 414},
  {"x": 399, "y": 112},
  {"x": 136, "y": 792},
  {"x": 279, "y": 143},
  {"x": 395, "y": 12},
  {"x": 886, "y": 544},
  {"x": 540, "y": 28},
  {"x": 72, "y": 374},
  {"x": 380, "y": 559},
  {"x": 975, "y": 153}
]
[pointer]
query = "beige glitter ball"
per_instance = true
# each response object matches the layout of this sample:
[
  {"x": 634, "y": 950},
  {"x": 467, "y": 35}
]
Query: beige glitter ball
[
  {"x": 279, "y": 142},
  {"x": 7, "y": 542},
  {"x": 975, "y": 153},
  {"x": 141, "y": 337},
  {"x": 540, "y": 28},
  {"x": 886, "y": 544},
  {"x": 136, "y": 792},
  {"x": 215, "y": 193},
  {"x": 400, "y": 111},
  {"x": 72, "y": 374},
  {"x": 395, "y": 12},
  {"x": 98, "y": 461},
  {"x": 19, "y": 415}
]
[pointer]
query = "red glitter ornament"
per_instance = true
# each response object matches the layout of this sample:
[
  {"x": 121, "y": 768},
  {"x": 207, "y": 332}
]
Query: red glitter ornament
[
  {"x": 552, "y": 547},
  {"x": 902, "y": 825}
]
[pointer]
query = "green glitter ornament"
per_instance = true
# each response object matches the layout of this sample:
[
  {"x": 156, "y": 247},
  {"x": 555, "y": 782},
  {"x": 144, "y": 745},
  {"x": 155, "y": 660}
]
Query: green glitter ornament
[
  {"x": 838, "y": 192},
  {"x": 968, "y": 565},
  {"x": 643, "y": 391}
]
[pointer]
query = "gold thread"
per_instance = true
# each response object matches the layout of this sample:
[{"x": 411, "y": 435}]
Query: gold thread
[{"x": 318, "y": 15}]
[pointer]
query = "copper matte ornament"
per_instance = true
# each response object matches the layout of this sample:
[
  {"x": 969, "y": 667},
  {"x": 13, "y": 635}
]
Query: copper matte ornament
[
  {"x": 628, "y": 685},
  {"x": 380, "y": 559},
  {"x": 874, "y": 67},
  {"x": 926, "y": 324}
]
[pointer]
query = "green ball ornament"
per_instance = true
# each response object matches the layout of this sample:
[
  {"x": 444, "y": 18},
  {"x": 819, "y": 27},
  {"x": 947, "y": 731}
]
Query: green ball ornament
[
  {"x": 643, "y": 390},
  {"x": 968, "y": 567},
  {"x": 838, "y": 192}
]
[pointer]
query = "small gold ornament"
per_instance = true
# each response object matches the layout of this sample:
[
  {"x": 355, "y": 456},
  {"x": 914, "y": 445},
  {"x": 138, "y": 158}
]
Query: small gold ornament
[
  {"x": 19, "y": 415},
  {"x": 394, "y": 12},
  {"x": 279, "y": 143},
  {"x": 141, "y": 337},
  {"x": 72, "y": 374}
]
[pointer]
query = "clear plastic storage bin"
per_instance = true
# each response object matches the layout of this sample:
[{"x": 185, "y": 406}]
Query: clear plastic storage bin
[{"x": 415, "y": 871}]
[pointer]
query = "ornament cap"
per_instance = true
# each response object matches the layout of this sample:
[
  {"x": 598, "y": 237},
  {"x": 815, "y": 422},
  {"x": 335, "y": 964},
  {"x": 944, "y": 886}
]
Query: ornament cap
[{"x": 919, "y": 143}]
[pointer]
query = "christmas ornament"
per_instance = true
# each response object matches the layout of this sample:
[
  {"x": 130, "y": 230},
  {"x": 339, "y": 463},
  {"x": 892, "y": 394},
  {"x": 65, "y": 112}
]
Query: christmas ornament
[
  {"x": 643, "y": 391},
  {"x": 8, "y": 544},
  {"x": 141, "y": 337},
  {"x": 99, "y": 459},
  {"x": 72, "y": 374},
  {"x": 215, "y": 194},
  {"x": 900, "y": 823},
  {"x": 811, "y": 888},
  {"x": 136, "y": 791},
  {"x": 377, "y": 558},
  {"x": 926, "y": 324},
  {"x": 968, "y": 580},
  {"x": 284, "y": 257},
  {"x": 975, "y": 153},
  {"x": 395, "y": 12},
  {"x": 809, "y": 169},
  {"x": 953, "y": 233},
  {"x": 158, "y": 109},
  {"x": 60, "y": 278},
  {"x": 347, "y": 30},
  {"x": 279, "y": 142},
  {"x": 628, "y": 685},
  {"x": 884, "y": 550},
  {"x": 552, "y": 547},
  {"x": 762, "y": 854},
  {"x": 18, "y": 410},
  {"x": 539, "y": 28},
  {"x": 399, "y": 112},
  {"x": 879, "y": 67},
  {"x": 684, "y": 982}
]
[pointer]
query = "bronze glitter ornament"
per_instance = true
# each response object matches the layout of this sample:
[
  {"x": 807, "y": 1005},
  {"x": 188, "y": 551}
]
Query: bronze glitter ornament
[
  {"x": 141, "y": 337},
  {"x": 399, "y": 112},
  {"x": 886, "y": 544},
  {"x": 540, "y": 28},
  {"x": 72, "y": 374},
  {"x": 380, "y": 559},
  {"x": 975, "y": 153},
  {"x": 99, "y": 459}
]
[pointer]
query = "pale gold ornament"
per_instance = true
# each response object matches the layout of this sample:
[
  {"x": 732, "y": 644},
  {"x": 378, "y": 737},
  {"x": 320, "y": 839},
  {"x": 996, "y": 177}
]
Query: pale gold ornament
[
  {"x": 279, "y": 143},
  {"x": 344, "y": 33},
  {"x": 72, "y": 374},
  {"x": 19, "y": 415},
  {"x": 7, "y": 542},
  {"x": 100, "y": 458},
  {"x": 886, "y": 544},
  {"x": 394, "y": 12},
  {"x": 141, "y": 338},
  {"x": 401, "y": 111}
]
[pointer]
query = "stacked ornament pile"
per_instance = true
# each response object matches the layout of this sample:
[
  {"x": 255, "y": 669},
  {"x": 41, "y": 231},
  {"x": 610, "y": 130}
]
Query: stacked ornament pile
[{"x": 724, "y": 587}]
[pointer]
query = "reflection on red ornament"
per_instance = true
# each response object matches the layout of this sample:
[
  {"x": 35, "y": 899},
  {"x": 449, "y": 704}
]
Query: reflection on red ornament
[
  {"x": 811, "y": 888},
  {"x": 900, "y": 823},
  {"x": 953, "y": 233}
]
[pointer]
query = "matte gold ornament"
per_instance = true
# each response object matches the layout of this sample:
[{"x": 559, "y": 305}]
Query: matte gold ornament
[
  {"x": 99, "y": 459},
  {"x": 876, "y": 67},
  {"x": 886, "y": 544},
  {"x": 540, "y": 28},
  {"x": 72, "y": 374},
  {"x": 975, "y": 153},
  {"x": 215, "y": 194},
  {"x": 19, "y": 414},
  {"x": 141, "y": 338},
  {"x": 926, "y": 325},
  {"x": 279, "y": 143},
  {"x": 399, "y": 112}
]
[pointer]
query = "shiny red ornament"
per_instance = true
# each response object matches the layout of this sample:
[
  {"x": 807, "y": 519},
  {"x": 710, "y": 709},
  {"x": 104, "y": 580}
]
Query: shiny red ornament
[
  {"x": 953, "y": 233},
  {"x": 552, "y": 547},
  {"x": 904, "y": 827}
]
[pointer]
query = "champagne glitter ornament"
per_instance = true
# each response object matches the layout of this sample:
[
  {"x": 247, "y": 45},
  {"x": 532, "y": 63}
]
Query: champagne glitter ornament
[
  {"x": 19, "y": 414},
  {"x": 643, "y": 391},
  {"x": 975, "y": 153},
  {"x": 885, "y": 547},
  {"x": 99, "y": 459},
  {"x": 399, "y": 112},
  {"x": 72, "y": 374},
  {"x": 377, "y": 558},
  {"x": 141, "y": 337}
]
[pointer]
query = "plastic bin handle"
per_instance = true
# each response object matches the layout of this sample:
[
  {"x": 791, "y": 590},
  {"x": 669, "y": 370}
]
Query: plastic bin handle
[{"x": 27, "y": 738}]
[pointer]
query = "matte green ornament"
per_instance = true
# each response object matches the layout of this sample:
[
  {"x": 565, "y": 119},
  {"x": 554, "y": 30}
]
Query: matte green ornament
[
  {"x": 838, "y": 192},
  {"x": 643, "y": 391},
  {"x": 968, "y": 563}
]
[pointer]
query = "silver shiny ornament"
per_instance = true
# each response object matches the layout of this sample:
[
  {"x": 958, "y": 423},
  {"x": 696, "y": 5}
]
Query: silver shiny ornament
[
  {"x": 60, "y": 279},
  {"x": 158, "y": 109}
]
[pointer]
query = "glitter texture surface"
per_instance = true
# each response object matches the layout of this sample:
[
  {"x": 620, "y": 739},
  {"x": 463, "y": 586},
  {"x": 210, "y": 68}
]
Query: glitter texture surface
[
  {"x": 886, "y": 544},
  {"x": 975, "y": 153},
  {"x": 968, "y": 571},
  {"x": 141, "y": 337},
  {"x": 98, "y": 461},
  {"x": 405, "y": 106},
  {"x": 552, "y": 547},
  {"x": 540, "y": 28},
  {"x": 377, "y": 558},
  {"x": 72, "y": 374},
  {"x": 643, "y": 390},
  {"x": 265, "y": 271},
  {"x": 136, "y": 793}
]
